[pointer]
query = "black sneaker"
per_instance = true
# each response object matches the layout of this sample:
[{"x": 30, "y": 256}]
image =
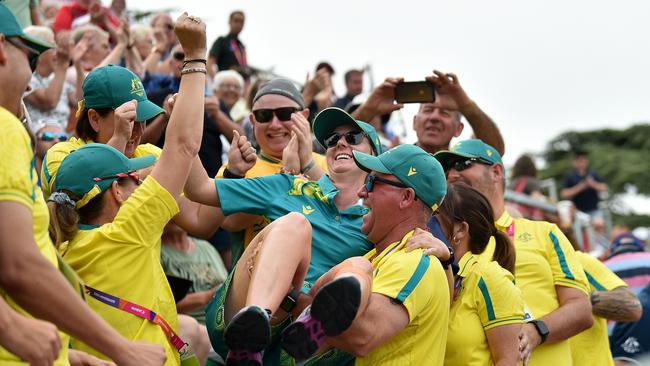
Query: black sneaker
[{"x": 247, "y": 335}]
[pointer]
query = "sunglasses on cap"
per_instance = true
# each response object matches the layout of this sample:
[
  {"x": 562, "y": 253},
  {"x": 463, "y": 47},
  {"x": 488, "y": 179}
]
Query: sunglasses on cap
[
  {"x": 351, "y": 137},
  {"x": 32, "y": 54},
  {"x": 371, "y": 180},
  {"x": 179, "y": 56},
  {"x": 266, "y": 115},
  {"x": 132, "y": 175},
  {"x": 462, "y": 164},
  {"x": 50, "y": 136}
]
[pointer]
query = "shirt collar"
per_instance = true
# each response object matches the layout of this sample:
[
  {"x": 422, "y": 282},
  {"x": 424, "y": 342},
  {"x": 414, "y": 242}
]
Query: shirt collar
[
  {"x": 504, "y": 222},
  {"x": 465, "y": 263},
  {"x": 268, "y": 158},
  {"x": 330, "y": 191},
  {"x": 390, "y": 248}
]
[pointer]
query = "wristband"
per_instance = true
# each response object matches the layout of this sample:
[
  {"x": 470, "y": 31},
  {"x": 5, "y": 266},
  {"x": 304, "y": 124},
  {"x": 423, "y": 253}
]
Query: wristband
[
  {"x": 230, "y": 175},
  {"x": 191, "y": 70},
  {"x": 201, "y": 60},
  {"x": 308, "y": 167},
  {"x": 449, "y": 261}
]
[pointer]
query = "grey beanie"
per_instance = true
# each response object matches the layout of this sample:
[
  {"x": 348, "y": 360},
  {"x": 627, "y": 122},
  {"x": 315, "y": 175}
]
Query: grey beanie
[{"x": 282, "y": 87}]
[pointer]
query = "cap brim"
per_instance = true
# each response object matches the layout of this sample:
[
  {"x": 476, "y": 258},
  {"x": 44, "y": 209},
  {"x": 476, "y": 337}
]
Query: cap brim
[
  {"x": 369, "y": 163},
  {"x": 446, "y": 156},
  {"x": 36, "y": 43},
  {"x": 141, "y": 162},
  {"x": 328, "y": 120},
  {"x": 147, "y": 110}
]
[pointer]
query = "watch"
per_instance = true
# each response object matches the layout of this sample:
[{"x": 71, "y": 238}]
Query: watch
[{"x": 541, "y": 328}]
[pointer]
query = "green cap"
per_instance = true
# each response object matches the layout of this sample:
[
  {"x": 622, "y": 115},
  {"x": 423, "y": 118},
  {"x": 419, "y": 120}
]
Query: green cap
[
  {"x": 330, "y": 118},
  {"x": 412, "y": 166},
  {"x": 10, "y": 28},
  {"x": 473, "y": 148},
  {"x": 111, "y": 86},
  {"x": 79, "y": 170}
]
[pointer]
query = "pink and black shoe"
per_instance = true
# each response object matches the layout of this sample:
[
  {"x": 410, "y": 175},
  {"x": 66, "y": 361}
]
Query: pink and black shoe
[
  {"x": 247, "y": 335},
  {"x": 332, "y": 311}
]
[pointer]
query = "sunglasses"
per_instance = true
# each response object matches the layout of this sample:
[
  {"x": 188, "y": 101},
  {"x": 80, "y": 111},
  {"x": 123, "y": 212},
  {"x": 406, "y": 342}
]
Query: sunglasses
[
  {"x": 266, "y": 115},
  {"x": 132, "y": 175},
  {"x": 50, "y": 136},
  {"x": 179, "y": 56},
  {"x": 371, "y": 180},
  {"x": 460, "y": 165},
  {"x": 32, "y": 54},
  {"x": 351, "y": 137}
]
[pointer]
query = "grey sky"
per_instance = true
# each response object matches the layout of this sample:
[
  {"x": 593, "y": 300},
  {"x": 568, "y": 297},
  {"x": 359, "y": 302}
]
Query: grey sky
[{"x": 537, "y": 67}]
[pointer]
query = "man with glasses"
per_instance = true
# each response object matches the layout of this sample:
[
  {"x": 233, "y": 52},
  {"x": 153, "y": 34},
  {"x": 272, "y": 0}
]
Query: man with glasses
[
  {"x": 30, "y": 281},
  {"x": 48, "y": 133},
  {"x": 390, "y": 299},
  {"x": 547, "y": 269}
]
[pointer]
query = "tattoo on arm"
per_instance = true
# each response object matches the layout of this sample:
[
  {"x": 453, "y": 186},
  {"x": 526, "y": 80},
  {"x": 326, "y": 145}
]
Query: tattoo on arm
[{"x": 619, "y": 304}]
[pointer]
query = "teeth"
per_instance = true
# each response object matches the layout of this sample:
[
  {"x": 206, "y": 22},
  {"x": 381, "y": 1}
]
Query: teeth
[{"x": 343, "y": 156}]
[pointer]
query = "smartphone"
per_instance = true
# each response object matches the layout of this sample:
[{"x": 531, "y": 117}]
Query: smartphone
[{"x": 415, "y": 92}]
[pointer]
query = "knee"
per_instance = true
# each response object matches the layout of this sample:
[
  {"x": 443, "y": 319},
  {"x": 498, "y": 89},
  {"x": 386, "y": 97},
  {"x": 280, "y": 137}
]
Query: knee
[
  {"x": 297, "y": 223},
  {"x": 361, "y": 264}
]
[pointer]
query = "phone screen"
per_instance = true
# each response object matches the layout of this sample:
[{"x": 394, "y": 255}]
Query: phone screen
[{"x": 415, "y": 92}]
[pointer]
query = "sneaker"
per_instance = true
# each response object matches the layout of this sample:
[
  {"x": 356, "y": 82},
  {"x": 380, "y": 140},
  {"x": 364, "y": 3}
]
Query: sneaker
[
  {"x": 330, "y": 314},
  {"x": 247, "y": 334}
]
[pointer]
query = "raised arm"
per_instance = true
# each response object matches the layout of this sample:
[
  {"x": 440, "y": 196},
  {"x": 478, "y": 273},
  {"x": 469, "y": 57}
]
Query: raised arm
[
  {"x": 184, "y": 130},
  {"x": 452, "y": 96}
]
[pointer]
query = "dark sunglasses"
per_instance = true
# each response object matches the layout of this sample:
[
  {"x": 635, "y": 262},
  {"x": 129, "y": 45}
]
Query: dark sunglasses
[
  {"x": 179, "y": 56},
  {"x": 371, "y": 180},
  {"x": 50, "y": 136},
  {"x": 266, "y": 115},
  {"x": 32, "y": 54},
  {"x": 462, "y": 164},
  {"x": 132, "y": 175},
  {"x": 351, "y": 137}
]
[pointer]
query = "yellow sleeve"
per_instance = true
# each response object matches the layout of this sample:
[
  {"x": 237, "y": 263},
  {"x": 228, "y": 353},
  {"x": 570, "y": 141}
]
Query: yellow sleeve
[
  {"x": 147, "y": 149},
  {"x": 499, "y": 301},
  {"x": 599, "y": 276},
  {"x": 320, "y": 160},
  {"x": 565, "y": 265},
  {"x": 17, "y": 163},
  {"x": 406, "y": 277},
  {"x": 220, "y": 172}
]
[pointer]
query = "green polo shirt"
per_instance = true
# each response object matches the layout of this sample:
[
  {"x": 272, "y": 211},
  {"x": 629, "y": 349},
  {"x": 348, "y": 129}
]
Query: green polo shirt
[{"x": 336, "y": 235}]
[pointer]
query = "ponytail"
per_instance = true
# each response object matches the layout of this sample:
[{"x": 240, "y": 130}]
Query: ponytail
[
  {"x": 504, "y": 251},
  {"x": 64, "y": 218}
]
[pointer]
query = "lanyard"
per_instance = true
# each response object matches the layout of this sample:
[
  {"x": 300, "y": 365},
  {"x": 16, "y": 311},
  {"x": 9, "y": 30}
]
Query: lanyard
[
  {"x": 186, "y": 353},
  {"x": 239, "y": 54}
]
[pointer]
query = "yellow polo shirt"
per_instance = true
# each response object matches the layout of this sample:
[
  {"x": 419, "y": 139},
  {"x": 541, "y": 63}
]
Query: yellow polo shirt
[
  {"x": 591, "y": 347},
  {"x": 419, "y": 283},
  {"x": 59, "y": 151},
  {"x": 122, "y": 259},
  {"x": 265, "y": 165},
  {"x": 19, "y": 183},
  {"x": 545, "y": 259},
  {"x": 485, "y": 297}
]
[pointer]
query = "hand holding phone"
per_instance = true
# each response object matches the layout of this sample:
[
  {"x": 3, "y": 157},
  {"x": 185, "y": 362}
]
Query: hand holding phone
[{"x": 415, "y": 92}]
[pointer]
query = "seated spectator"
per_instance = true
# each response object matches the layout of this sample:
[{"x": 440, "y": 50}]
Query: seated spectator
[
  {"x": 49, "y": 9},
  {"x": 630, "y": 261},
  {"x": 163, "y": 27},
  {"x": 353, "y": 86},
  {"x": 318, "y": 91},
  {"x": 142, "y": 39},
  {"x": 630, "y": 342},
  {"x": 47, "y": 134},
  {"x": 51, "y": 95},
  {"x": 523, "y": 179}
]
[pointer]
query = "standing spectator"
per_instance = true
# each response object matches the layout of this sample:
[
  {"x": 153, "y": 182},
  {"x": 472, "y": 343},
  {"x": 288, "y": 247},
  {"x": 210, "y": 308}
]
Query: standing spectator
[
  {"x": 524, "y": 180},
  {"x": 142, "y": 39},
  {"x": 318, "y": 92},
  {"x": 228, "y": 51},
  {"x": 547, "y": 269},
  {"x": 51, "y": 96},
  {"x": 582, "y": 186},
  {"x": 25, "y": 11},
  {"x": 353, "y": 86}
]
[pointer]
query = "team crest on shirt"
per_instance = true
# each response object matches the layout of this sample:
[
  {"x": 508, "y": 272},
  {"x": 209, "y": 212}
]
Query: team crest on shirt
[
  {"x": 137, "y": 87},
  {"x": 631, "y": 345},
  {"x": 307, "y": 209},
  {"x": 524, "y": 237}
]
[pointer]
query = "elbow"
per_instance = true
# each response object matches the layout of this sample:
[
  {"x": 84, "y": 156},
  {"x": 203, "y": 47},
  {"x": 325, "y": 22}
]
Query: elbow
[
  {"x": 13, "y": 277},
  {"x": 635, "y": 312},
  {"x": 188, "y": 147},
  {"x": 361, "y": 346}
]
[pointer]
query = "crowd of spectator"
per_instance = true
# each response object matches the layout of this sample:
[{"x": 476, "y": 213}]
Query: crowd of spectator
[{"x": 164, "y": 203}]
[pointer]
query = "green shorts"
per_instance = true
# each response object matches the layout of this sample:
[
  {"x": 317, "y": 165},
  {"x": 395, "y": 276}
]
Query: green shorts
[{"x": 273, "y": 355}]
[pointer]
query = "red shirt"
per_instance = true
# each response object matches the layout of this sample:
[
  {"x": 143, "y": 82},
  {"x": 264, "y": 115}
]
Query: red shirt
[{"x": 71, "y": 11}]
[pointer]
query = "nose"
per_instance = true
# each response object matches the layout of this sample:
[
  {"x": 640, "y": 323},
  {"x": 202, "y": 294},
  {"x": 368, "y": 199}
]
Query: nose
[{"x": 452, "y": 175}]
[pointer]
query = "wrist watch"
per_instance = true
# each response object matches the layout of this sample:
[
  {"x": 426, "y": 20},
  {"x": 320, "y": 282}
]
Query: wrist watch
[{"x": 541, "y": 328}]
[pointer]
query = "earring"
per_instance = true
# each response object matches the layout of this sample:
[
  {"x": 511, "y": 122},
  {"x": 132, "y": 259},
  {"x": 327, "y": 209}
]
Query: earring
[{"x": 455, "y": 240}]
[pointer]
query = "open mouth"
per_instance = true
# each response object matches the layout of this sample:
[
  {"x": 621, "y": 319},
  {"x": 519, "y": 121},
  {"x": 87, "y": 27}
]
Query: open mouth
[{"x": 343, "y": 156}]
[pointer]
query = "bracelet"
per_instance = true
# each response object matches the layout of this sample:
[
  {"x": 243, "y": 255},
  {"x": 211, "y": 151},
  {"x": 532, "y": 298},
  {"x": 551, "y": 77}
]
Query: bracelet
[
  {"x": 191, "y": 70},
  {"x": 201, "y": 60},
  {"x": 451, "y": 259},
  {"x": 308, "y": 167},
  {"x": 230, "y": 175}
]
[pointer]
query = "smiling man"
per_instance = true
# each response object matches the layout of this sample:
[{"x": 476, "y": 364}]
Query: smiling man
[{"x": 396, "y": 300}]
